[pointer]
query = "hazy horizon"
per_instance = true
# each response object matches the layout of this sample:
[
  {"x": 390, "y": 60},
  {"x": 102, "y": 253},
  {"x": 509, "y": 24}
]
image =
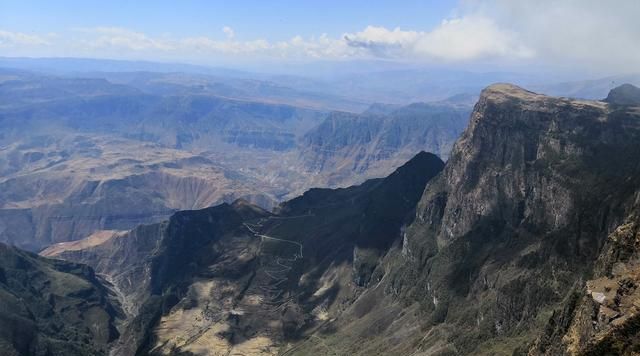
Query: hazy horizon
[{"x": 574, "y": 39}]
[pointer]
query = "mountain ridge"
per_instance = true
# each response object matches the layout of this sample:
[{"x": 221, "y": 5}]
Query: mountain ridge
[{"x": 242, "y": 224}]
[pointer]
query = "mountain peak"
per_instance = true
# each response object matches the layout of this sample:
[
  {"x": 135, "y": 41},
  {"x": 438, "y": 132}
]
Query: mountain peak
[
  {"x": 504, "y": 91},
  {"x": 625, "y": 94},
  {"x": 247, "y": 209},
  {"x": 423, "y": 160}
]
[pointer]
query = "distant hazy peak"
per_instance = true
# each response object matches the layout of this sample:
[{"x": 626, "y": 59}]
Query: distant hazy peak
[
  {"x": 381, "y": 109},
  {"x": 626, "y": 94}
]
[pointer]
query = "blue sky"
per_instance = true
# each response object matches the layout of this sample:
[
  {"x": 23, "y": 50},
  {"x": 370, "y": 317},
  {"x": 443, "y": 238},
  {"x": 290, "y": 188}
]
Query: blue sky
[
  {"x": 587, "y": 34},
  {"x": 273, "y": 20}
]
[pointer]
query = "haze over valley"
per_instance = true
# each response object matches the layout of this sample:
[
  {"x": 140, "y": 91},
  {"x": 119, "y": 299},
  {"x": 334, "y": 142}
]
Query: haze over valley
[{"x": 84, "y": 154}]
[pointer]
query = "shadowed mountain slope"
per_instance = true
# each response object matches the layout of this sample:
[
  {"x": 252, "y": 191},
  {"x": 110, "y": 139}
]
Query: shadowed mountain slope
[
  {"x": 239, "y": 278},
  {"x": 51, "y": 307}
]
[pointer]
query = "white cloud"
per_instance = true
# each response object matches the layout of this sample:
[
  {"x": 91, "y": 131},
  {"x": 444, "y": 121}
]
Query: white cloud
[
  {"x": 570, "y": 33},
  {"x": 11, "y": 39},
  {"x": 101, "y": 39},
  {"x": 457, "y": 39},
  {"x": 599, "y": 36},
  {"x": 602, "y": 35},
  {"x": 208, "y": 45},
  {"x": 381, "y": 36},
  {"x": 228, "y": 31},
  {"x": 469, "y": 38},
  {"x": 449, "y": 41},
  {"x": 122, "y": 38},
  {"x": 321, "y": 47}
]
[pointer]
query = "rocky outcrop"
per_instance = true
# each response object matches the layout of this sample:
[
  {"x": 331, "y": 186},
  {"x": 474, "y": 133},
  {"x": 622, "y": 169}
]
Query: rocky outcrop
[
  {"x": 606, "y": 315},
  {"x": 625, "y": 94}
]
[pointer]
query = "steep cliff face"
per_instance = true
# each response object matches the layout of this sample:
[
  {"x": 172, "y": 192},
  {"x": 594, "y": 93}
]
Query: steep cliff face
[
  {"x": 505, "y": 239},
  {"x": 519, "y": 215},
  {"x": 374, "y": 143},
  {"x": 50, "y": 307},
  {"x": 603, "y": 317}
]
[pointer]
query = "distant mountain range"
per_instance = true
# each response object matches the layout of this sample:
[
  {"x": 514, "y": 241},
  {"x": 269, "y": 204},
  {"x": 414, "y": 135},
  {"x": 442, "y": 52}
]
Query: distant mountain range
[
  {"x": 588, "y": 89},
  {"x": 82, "y": 154},
  {"x": 349, "y": 87}
]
